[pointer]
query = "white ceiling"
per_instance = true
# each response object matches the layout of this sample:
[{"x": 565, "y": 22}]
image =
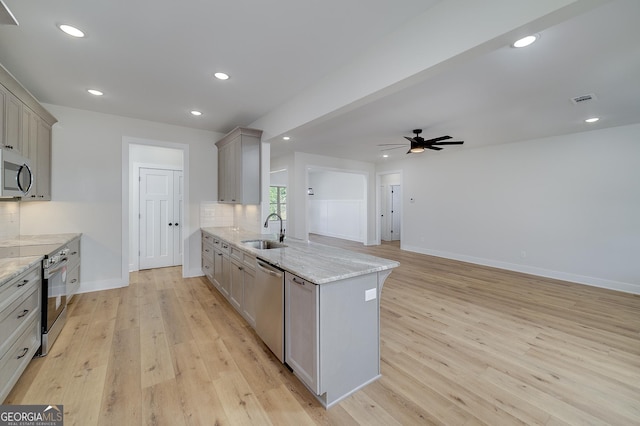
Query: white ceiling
[{"x": 155, "y": 62}]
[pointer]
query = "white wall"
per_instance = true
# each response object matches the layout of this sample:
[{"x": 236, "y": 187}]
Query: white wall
[
  {"x": 338, "y": 207},
  {"x": 566, "y": 207},
  {"x": 87, "y": 185},
  {"x": 298, "y": 167}
]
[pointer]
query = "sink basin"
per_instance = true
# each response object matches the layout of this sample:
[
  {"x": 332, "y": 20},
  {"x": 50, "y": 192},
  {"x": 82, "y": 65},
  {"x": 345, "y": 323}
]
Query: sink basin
[{"x": 263, "y": 244}]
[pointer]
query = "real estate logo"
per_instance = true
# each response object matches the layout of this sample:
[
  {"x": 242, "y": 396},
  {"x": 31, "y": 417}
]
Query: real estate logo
[{"x": 31, "y": 415}]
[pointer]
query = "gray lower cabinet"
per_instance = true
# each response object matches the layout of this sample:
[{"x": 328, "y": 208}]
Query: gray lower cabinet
[
  {"x": 236, "y": 292},
  {"x": 232, "y": 272},
  {"x": 301, "y": 330},
  {"x": 20, "y": 300},
  {"x": 207, "y": 256},
  {"x": 73, "y": 274},
  {"x": 332, "y": 334},
  {"x": 249, "y": 293}
]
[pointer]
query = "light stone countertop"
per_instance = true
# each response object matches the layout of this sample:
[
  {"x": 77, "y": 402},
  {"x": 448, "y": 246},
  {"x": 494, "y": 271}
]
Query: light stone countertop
[
  {"x": 17, "y": 254},
  {"x": 11, "y": 267},
  {"x": 317, "y": 263}
]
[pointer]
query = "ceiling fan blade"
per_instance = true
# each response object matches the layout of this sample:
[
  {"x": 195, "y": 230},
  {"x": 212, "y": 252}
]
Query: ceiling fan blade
[
  {"x": 435, "y": 148},
  {"x": 441, "y": 138},
  {"x": 392, "y": 144},
  {"x": 411, "y": 139},
  {"x": 449, "y": 143},
  {"x": 395, "y": 147}
]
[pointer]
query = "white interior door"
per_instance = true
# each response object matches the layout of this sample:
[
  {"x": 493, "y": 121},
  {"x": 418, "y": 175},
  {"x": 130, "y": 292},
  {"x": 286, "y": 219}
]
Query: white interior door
[
  {"x": 395, "y": 212},
  {"x": 177, "y": 216},
  {"x": 160, "y": 218}
]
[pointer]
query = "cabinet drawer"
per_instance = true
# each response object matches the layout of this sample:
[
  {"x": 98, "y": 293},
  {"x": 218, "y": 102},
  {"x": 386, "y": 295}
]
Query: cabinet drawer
[
  {"x": 207, "y": 268},
  {"x": 236, "y": 253},
  {"x": 225, "y": 247},
  {"x": 16, "y": 359},
  {"x": 207, "y": 251},
  {"x": 22, "y": 310},
  {"x": 73, "y": 283},
  {"x": 207, "y": 238},
  {"x": 249, "y": 261},
  {"x": 11, "y": 290},
  {"x": 74, "y": 252}
]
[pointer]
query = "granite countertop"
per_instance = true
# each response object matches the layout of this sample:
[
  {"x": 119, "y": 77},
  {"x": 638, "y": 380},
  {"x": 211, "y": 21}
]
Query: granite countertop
[
  {"x": 317, "y": 263},
  {"x": 17, "y": 254}
]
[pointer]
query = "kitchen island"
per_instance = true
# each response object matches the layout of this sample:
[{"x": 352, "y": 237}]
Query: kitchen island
[{"x": 331, "y": 306}]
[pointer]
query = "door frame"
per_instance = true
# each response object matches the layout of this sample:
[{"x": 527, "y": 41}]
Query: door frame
[
  {"x": 379, "y": 207},
  {"x": 127, "y": 194},
  {"x": 135, "y": 210}
]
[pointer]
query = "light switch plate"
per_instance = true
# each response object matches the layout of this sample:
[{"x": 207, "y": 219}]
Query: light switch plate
[{"x": 369, "y": 294}]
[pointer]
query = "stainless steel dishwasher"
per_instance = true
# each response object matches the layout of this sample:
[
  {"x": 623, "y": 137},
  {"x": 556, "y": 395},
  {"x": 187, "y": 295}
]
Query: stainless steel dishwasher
[{"x": 270, "y": 307}]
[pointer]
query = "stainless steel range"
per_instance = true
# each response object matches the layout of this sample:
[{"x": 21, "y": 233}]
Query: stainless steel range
[{"x": 54, "y": 296}]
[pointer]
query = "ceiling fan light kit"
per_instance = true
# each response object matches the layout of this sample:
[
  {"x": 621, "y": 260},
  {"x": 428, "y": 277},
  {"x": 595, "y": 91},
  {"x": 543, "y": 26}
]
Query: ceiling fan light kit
[{"x": 419, "y": 144}]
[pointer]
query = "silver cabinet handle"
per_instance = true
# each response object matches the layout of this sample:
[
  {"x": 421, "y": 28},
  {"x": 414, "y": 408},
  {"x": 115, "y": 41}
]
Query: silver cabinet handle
[
  {"x": 73, "y": 281},
  {"x": 24, "y": 352},
  {"x": 23, "y": 313},
  {"x": 295, "y": 280},
  {"x": 23, "y": 283},
  {"x": 265, "y": 268}
]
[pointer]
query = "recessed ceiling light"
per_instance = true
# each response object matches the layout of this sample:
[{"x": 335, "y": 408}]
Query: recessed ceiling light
[
  {"x": 72, "y": 31},
  {"x": 221, "y": 76},
  {"x": 95, "y": 92},
  {"x": 385, "y": 155},
  {"x": 591, "y": 120},
  {"x": 526, "y": 41},
  {"x": 286, "y": 138},
  {"x": 196, "y": 113}
]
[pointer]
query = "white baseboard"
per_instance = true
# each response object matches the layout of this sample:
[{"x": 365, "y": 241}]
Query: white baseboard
[
  {"x": 87, "y": 287},
  {"x": 342, "y": 237},
  {"x": 194, "y": 272},
  {"x": 558, "y": 275}
]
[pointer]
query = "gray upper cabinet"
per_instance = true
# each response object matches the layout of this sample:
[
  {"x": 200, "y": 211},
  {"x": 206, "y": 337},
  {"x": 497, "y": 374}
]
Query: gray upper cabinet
[
  {"x": 10, "y": 122},
  {"x": 25, "y": 126},
  {"x": 239, "y": 167}
]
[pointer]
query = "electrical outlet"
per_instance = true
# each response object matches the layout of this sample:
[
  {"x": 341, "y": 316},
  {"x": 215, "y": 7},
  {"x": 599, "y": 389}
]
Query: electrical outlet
[{"x": 370, "y": 294}]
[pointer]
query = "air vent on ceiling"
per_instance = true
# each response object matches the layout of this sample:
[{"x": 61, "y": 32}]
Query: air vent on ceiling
[{"x": 583, "y": 98}]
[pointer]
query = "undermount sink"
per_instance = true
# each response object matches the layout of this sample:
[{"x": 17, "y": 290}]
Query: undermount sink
[{"x": 263, "y": 244}]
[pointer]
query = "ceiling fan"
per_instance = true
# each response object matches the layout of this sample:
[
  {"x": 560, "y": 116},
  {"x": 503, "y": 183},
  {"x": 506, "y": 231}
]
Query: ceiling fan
[{"x": 419, "y": 144}]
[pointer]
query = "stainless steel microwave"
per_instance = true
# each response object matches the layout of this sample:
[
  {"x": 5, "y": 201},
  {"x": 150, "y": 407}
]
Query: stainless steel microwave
[{"x": 16, "y": 178}]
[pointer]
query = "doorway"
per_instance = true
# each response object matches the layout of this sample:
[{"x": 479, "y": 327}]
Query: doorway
[
  {"x": 161, "y": 204},
  {"x": 156, "y": 156},
  {"x": 389, "y": 206}
]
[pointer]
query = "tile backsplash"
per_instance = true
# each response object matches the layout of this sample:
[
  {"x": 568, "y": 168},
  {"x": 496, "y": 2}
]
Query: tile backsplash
[
  {"x": 9, "y": 219},
  {"x": 243, "y": 216},
  {"x": 214, "y": 214}
]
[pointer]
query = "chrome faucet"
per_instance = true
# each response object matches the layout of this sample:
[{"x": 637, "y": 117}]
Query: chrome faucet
[{"x": 266, "y": 225}]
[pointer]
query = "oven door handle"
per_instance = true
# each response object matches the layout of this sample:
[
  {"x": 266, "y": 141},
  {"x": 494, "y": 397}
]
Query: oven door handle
[{"x": 49, "y": 272}]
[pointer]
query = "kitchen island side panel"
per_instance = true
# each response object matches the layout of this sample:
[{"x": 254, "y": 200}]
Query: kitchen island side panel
[{"x": 349, "y": 336}]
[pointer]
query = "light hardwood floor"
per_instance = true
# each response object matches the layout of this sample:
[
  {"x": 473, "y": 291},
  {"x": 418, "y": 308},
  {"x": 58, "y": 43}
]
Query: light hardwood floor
[{"x": 461, "y": 344}]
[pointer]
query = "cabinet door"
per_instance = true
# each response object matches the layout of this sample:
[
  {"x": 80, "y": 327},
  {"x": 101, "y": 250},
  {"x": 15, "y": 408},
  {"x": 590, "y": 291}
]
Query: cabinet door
[
  {"x": 222, "y": 168},
  {"x": 225, "y": 276},
  {"x": 43, "y": 161},
  {"x": 301, "y": 326},
  {"x": 217, "y": 269},
  {"x": 236, "y": 285},
  {"x": 12, "y": 121},
  {"x": 249, "y": 300}
]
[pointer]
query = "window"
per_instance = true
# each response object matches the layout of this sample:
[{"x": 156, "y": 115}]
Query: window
[{"x": 278, "y": 201}]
